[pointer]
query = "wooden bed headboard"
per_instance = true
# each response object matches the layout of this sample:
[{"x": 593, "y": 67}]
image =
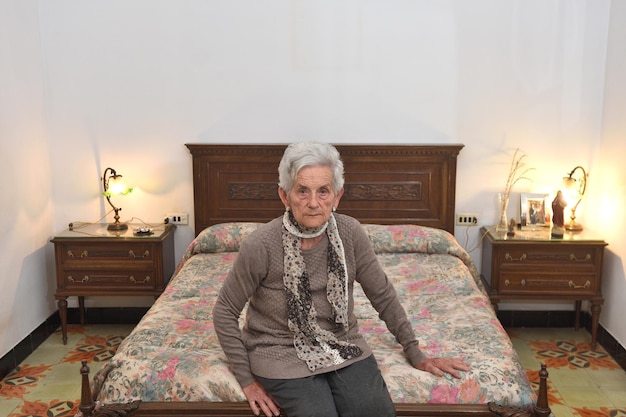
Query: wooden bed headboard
[{"x": 385, "y": 184}]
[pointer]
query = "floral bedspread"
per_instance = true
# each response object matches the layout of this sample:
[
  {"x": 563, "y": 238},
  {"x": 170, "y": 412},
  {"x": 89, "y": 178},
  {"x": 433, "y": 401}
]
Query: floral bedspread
[{"x": 173, "y": 353}]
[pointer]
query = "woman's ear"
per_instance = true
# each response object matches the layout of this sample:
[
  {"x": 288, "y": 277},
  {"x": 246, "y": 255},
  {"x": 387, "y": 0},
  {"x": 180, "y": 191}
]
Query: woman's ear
[
  {"x": 283, "y": 196},
  {"x": 338, "y": 197}
]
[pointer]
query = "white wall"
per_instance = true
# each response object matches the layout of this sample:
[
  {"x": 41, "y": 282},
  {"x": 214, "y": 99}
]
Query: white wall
[
  {"x": 127, "y": 83},
  {"x": 26, "y": 208},
  {"x": 609, "y": 191}
]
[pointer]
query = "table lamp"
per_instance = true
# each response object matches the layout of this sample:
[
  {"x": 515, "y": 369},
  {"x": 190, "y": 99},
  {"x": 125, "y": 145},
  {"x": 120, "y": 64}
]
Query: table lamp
[
  {"x": 574, "y": 186},
  {"x": 114, "y": 185}
]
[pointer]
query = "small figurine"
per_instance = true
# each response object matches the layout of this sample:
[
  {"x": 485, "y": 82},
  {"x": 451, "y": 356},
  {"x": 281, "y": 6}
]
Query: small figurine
[
  {"x": 511, "y": 231},
  {"x": 558, "y": 219}
]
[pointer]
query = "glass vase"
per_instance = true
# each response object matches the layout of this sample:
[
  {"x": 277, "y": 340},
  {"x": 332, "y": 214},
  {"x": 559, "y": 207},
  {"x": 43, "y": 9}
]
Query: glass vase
[{"x": 503, "y": 205}]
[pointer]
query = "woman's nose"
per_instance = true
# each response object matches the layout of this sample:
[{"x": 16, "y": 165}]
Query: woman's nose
[{"x": 313, "y": 203}]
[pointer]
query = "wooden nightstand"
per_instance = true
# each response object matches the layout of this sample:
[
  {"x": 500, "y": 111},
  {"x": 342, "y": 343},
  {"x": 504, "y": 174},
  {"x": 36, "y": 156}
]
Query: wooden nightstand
[
  {"x": 92, "y": 261},
  {"x": 533, "y": 266}
]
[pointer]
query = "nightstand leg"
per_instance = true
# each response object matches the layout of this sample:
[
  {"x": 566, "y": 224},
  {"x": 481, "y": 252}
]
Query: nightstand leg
[
  {"x": 81, "y": 308},
  {"x": 595, "y": 318},
  {"x": 577, "y": 324},
  {"x": 62, "y": 304}
]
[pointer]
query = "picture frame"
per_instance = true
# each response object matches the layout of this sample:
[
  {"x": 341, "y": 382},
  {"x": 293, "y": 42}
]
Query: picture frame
[{"x": 534, "y": 209}]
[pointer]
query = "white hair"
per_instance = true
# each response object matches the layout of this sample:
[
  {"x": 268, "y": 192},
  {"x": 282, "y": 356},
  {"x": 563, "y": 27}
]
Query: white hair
[{"x": 305, "y": 154}]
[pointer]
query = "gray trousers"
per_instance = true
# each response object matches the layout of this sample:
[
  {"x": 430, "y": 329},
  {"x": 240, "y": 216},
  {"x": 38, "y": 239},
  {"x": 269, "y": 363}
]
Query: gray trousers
[{"x": 357, "y": 390}]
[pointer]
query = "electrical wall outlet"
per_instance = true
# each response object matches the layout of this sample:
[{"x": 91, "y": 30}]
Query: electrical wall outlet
[
  {"x": 177, "y": 218},
  {"x": 466, "y": 219}
]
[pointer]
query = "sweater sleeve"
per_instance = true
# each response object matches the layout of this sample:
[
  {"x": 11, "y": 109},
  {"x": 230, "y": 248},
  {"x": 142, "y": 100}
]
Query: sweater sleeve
[
  {"x": 249, "y": 269},
  {"x": 381, "y": 293}
]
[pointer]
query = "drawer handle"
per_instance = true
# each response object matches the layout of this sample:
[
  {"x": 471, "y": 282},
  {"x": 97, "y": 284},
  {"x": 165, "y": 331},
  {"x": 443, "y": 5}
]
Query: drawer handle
[
  {"x": 522, "y": 282},
  {"x": 572, "y": 285},
  {"x": 144, "y": 281},
  {"x": 82, "y": 281},
  {"x": 83, "y": 254},
  {"x": 573, "y": 257},
  {"x": 508, "y": 257},
  {"x": 145, "y": 254}
]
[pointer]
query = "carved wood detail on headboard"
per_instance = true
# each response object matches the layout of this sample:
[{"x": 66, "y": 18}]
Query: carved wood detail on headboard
[
  {"x": 387, "y": 184},
  {"x": 268, "y": 191}
]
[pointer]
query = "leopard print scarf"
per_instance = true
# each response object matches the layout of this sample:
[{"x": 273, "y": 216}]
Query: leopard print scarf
[{"x": 319, "y": 348}]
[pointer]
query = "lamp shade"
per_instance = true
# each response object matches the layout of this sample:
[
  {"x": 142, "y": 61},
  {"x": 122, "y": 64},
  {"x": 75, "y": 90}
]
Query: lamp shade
[{"x": 117, "y": 186}]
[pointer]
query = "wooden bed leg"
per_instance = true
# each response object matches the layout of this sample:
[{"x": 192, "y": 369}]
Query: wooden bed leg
[
  {"x": 86, "y": 405},
  {"x": 542, "y": 409}
]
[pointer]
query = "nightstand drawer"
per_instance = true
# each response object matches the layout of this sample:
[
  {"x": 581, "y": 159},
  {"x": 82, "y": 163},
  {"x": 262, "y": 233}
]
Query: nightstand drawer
[
  {"x": 134, "y": 280},
  {"x": 561, "y": 257},
  {"x": 85, "y": 252},
  {"x": 139, "y": 280},
  {"x": 523, "y": 283}
]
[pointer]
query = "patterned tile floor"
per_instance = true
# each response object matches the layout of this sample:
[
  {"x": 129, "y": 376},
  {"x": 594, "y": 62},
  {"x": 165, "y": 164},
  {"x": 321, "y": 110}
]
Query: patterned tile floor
[
  {"x": 582, "y": 383},
  {"x": 47, "y": 383}
]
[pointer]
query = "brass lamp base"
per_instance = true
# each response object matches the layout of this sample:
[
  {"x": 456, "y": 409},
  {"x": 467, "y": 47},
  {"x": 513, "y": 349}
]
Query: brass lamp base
[
  {"x": 573, "y": 227},
  {"x": 117, "y": 226}
]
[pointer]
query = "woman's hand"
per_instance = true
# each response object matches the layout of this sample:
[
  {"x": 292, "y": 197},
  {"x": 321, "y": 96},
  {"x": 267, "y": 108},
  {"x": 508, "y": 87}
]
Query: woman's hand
[
  {"x": 439, "y": 366},
  {"x": 260, "y": 400}
]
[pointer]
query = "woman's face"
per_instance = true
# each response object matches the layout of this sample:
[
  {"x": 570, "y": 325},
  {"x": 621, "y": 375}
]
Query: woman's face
[{"x": 312, "y": 198}]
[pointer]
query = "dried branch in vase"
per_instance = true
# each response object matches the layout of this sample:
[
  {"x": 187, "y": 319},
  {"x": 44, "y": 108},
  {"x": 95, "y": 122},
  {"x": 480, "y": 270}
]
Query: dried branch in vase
[{"x": 517, "y": 172}]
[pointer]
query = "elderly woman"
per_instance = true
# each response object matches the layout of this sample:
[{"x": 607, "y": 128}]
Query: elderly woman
[{"x": 300, "y": 350}]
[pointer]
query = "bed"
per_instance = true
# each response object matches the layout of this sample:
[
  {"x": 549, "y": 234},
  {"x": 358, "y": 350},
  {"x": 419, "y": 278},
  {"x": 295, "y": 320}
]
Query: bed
[{"x": 404, "y": 195}]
